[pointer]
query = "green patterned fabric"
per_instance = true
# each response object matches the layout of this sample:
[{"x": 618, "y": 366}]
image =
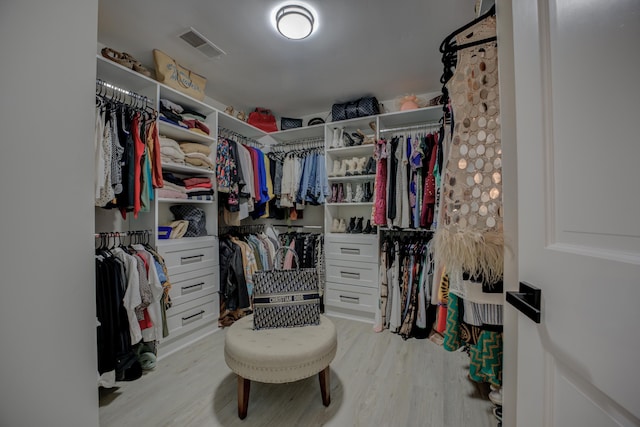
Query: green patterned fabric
[{"x": 485, "y": 356}]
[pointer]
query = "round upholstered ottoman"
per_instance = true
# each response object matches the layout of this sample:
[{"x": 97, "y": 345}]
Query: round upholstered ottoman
[{"x": 279, "y": 355}]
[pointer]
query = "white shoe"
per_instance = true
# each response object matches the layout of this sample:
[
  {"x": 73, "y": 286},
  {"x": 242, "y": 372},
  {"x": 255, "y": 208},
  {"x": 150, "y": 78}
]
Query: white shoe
[
  {"x": 348, "y": 197},
  {"x": 337, "y": 142},
  {"x": 336, "y": 168},
  {"x": 342, "y": 227},
  {"x": 359, "y": 194},
  {"x": 496, "y": 397},
  {"x": 335, "y": 225}
]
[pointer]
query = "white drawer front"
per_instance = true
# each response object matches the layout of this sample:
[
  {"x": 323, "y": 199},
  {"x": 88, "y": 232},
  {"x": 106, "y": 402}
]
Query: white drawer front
[
  {"x": 353, "y": 273},
  {"x": 186, "y": 317},
  {"x": 351, "y": 248},
  {"x": 193, "y": 284},
  {"x": 351, "y": 297},
  {"x": 190, "y": 256}
]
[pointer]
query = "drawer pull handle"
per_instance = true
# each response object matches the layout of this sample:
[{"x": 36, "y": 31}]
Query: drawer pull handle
[
  {"x": 190, "y": 287},
  {"x": 200, "y": 313},
  {"x": 350, "y": 275},
  {"x": 353, "y": 251},
  {"x": 351, "y": 300},
  {"x": 191, "y": 259}
]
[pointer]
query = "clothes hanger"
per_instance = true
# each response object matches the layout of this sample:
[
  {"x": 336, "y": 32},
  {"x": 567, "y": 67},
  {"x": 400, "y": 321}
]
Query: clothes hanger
[{"x": 448, "y": 46}]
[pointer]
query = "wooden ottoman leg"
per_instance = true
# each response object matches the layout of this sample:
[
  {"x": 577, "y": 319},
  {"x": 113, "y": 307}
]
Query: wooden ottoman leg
[
  {"x": 244, "y": 386},
  {"x": 325, "y": 388}
]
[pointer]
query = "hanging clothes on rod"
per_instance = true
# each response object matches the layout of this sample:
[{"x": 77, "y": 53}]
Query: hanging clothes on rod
[
  {"x": 406, "y": 174},
  {"x": 132, "y": 288},
  {"x": 243, "y": 251},
  {"x": 300, "y": 177},
  {"x": 127, "y": 150}
]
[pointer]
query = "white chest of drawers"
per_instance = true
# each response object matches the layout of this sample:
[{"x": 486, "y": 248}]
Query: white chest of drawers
[
  {"x": 352, "y": 275},
  {"x": 193, "y": 269}
]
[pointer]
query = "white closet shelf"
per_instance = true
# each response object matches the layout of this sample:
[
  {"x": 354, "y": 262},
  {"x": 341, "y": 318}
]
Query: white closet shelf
[
  {"x": 169, "y": 242},
  {"x": 185, "y": 100},
  {"x": 354, "y": 150},
  {"x": 351, "y": 178},
  {"x": 305, "y": 132},
  {"x": 235, "y": 125},
  {"x": 351, "y": 204},
  {"x": 124, "y": 77},
  {"x": 188, "y": 201},
  {"x": 411, "y": 117},
  {"x": 186, "y": 169},
  {"x": 361, "y": 123},
  {"x": 182, "y": 134}
]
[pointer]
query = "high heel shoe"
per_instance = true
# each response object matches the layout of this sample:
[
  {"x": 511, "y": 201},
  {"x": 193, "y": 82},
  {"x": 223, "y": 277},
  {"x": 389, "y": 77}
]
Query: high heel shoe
[
  {"x": 358, "y": 138},
  {"x": 360, "y": 165},
  {"x": 358, "y": 228},
  {"x": 348, "y": 141},
  {"x": 349, "y": 193},
  {"x": 370, "y": 168},
  {"x": 351, "y": 167},
  {"x": 336, "y": 168},
  {"x": 352, "y": 225},
  {"x": 334, "y": 193},
  {"x": 343, "y": 168}
]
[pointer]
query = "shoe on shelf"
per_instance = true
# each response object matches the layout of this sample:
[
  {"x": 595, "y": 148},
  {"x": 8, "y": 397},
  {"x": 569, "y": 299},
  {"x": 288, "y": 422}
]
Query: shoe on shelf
[
  {"x": 343, "y": 168},
  {"x": 496, "y": 397},
  {"x": 352, "y": 225},
  {"x": 348, "y": 141},
  {"x": 334, "y": 193},
  {"x": 359, "y": 196},
  {"x": 336, "y": 141},
  {"x": 336, "y": 168},
  {"x": 342, "y": 226},
  {"x": 370, "y": 168},
  {"x": 372, "y": 125},
  {"x": 348, "y": 198},
  {"x": 335, "y": 225},
  {"x": 358, "y": 138},
  {"x": 351, "y": 166},
  {"x": 374, "y": 229},
  {"x": 358, "y": 228},
  {"x": 361, "y": 164},
  {"x": 340, "y": 198},
  {"x": 367, "y": 228}
]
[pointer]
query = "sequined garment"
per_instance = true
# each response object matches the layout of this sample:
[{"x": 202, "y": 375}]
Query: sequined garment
[{"x": 469, "y": 235}]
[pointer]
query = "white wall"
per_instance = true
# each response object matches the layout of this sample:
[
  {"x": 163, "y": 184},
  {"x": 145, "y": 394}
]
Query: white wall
[{"x": 47, "y": 311}]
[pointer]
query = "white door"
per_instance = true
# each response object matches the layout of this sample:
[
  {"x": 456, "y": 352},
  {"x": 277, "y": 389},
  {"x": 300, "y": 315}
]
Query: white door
[{"x": 577, "y": 79}]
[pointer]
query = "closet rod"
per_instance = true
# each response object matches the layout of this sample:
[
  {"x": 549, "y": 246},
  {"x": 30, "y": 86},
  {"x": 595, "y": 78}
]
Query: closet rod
[
  {"x": 121, "y": 233},
  {"x": 317, "y": 142},
  {"x": 315, "y": 227},
  {"x": 415, "y": 127},
  {"x": 228, "y": 133},
  {"x": 110, "y": 86}
]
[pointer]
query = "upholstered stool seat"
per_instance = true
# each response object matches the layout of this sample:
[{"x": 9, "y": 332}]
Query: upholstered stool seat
[{"x": 279, "y": 355}]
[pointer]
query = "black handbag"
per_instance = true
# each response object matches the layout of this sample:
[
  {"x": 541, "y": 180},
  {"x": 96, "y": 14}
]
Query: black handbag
[
  {"x": 289, "y": 123},
  {"x": 362, "y": 107}
]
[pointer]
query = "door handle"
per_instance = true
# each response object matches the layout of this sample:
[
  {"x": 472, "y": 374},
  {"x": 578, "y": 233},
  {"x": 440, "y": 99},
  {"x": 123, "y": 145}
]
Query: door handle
[{"x": 527, "y": 300}]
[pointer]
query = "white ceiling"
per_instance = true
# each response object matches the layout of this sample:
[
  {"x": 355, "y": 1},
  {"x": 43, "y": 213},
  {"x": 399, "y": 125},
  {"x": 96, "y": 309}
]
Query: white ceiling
[{"x": 362, "y": 47}]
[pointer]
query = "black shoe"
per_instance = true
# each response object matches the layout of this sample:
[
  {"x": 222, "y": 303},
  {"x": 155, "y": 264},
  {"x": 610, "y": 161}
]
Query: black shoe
[
  {"x": 348, "y": 141},
  {"x": 367, "y": 229},
  {"x": 358, "y": 138},
  {"x": 352, "y": 225},
  {"x": 374, "y": 229},
  {"x": 358, "y": 228},
  {"x": 368, "y": 194},
  {"x": 370, "y": 169}
]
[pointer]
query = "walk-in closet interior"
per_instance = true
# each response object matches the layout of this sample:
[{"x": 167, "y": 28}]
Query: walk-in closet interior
[{"x": 388, "y": 203}]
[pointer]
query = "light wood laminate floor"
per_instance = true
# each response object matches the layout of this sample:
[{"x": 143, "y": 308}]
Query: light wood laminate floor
[{"x": 377, "y": 379}]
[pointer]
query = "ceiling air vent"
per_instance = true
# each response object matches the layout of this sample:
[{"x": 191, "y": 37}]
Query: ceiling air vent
[{"x": 199, "y": 42}]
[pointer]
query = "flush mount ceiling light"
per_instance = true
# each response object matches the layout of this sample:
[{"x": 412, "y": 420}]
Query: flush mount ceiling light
[{"x": 294, "y": 21}]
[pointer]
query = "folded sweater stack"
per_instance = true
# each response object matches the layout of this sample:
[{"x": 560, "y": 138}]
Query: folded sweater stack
[
  {"x": 195, "y": 188},
  {"x": 189, "y": 153},
  {"x": 178, "y": 115}
]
